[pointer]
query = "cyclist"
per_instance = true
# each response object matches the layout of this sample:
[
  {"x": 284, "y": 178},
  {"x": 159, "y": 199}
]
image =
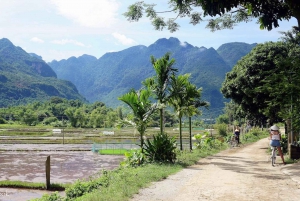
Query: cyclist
[
  {"x": 275, "y": 138},
  {"x": 237, "y": 133}
]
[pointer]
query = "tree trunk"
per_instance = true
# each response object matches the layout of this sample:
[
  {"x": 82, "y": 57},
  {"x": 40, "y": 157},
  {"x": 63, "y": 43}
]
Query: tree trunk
[
  {"x": 161, "y": 121},
  {"x": 190, "y": 130},
  {"x": 180, "y": 134}
]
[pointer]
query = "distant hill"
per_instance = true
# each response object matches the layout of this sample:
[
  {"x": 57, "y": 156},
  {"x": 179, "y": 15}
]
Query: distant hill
[
  {"x": 232, "y": 52},
  {"x": 114, "y": 73},
  {"x": 26, "y": 77}
]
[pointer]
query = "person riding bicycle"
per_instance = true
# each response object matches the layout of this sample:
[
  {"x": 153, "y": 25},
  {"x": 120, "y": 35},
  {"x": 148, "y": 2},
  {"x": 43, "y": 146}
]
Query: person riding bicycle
[
  {"x": 275, "y": 138},
  {"x": 237, "y": 133}
]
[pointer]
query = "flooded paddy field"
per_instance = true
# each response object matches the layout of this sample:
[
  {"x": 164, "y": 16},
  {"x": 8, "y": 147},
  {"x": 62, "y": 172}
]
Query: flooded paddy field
[
  {"x": 66, "y": 167},
  {"x": 26, "y": 162}
]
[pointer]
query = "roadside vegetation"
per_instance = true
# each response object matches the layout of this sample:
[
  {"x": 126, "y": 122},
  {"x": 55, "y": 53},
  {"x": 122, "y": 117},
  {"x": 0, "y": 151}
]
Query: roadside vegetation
[{"x": 139, "y": 170}]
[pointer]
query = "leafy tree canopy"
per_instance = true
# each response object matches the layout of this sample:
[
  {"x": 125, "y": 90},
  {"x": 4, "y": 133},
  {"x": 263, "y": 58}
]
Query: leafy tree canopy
[
  {"x": 264, "y": 81},
  {"x": 230, "y": 12}
]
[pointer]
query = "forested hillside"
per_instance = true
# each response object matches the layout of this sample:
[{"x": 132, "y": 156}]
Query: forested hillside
[
  {"x": 25, "y": 78},
  {"x": 232, "y": 52},
  {"x": 114, "y": 73}
]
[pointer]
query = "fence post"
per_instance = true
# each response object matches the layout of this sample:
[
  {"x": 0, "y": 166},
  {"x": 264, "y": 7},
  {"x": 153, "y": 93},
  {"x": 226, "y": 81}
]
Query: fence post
[{"x": 48, "y": 173}]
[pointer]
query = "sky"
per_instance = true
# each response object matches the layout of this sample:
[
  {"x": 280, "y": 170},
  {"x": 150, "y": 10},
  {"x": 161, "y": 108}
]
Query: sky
[{"x": 60, "y": 29}]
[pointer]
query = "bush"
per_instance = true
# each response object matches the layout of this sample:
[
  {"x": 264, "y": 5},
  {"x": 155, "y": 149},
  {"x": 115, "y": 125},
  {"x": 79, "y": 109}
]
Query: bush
[
  {"x": 206, "y": 142},
  {"x": 50, "y": 197},
  {"x": 49, "y": 120},
  {"x": 134, "y": 158},
  {"x": 79, "y": 188},
  {"x": 222, "y": 129},
  {"x": 2, "y": 121},
  {"x": 161, "y": 148}
]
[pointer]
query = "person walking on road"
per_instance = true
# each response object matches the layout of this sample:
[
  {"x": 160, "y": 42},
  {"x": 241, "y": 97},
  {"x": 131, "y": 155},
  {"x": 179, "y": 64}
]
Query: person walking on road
[{"x": 275, "y": 138}]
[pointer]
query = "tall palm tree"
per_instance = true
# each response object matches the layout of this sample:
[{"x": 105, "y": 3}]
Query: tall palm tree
[
  {"x": 192, "y": 106},
  {"x": 141, "y": 107},
  {"x": 178, "y": 98},
  {"x": 160, "y": 81}
]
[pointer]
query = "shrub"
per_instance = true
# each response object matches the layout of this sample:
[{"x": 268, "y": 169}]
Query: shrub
[
  {"x": 49, "y": 120},
  {"x": 50, "y": 197},
  {"x": 161, "y": 148},
  {"x": 222, "y": 129},
  {"x": 2, "y": 121},
  {"x": 79, "y": 188},
  {"x": 206, "y": 142},
  {"x": 134, "y": 158}
]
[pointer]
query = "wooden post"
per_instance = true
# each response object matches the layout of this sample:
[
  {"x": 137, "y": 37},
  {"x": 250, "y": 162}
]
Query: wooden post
[{"x": 48, "y": 173}]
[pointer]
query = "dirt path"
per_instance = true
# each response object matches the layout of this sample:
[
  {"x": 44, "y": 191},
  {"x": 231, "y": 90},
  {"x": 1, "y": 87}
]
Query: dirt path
[{"x": 241, "y": 174}]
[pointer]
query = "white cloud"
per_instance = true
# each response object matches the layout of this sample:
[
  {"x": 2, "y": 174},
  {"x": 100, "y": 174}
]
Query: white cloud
[
  {"x": 36, "y": 40},
  {"x": 123, "y": 39},
  {"x": 68, "y": 41},
  {"x": 183, "y": 44},
  {"x": 89, "y": 13}
]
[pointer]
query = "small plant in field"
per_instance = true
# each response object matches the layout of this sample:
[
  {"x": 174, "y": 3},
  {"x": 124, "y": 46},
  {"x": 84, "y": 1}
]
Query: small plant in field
[
  {"x": 134, "y": 158},
  {"x": 204, "y": 141},
  {"x": 80, "y": 188},
  {"x": 161, "y": 148},
  {"x": 50, "y": 197}
]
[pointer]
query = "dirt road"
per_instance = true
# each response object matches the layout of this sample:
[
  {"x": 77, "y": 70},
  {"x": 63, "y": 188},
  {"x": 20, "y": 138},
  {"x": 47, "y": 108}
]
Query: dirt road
[{"x": 241, "y": 174}]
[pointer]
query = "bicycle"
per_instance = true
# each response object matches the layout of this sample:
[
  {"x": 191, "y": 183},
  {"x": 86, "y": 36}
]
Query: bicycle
[
  {"x": 273, "y": 155},
  {"x": 233, "y": 141}
]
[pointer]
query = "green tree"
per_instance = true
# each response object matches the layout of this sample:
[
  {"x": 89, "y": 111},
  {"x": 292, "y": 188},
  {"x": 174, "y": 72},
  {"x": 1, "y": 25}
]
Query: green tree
[
  {"x": 70, "y": 112},
  {"x": 141, "y": 107},
  {"x": 263, "y": 81},
  {"x": 192, "y": 106},
  {"x": 158, "y": 84},
  {"x": 179, "y": 98},
  {"x": 231, "y": 12}
]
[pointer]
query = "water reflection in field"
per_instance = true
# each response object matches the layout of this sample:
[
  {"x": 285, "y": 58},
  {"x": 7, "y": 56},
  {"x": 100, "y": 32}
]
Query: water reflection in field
[{"x": 66, "y": 166}]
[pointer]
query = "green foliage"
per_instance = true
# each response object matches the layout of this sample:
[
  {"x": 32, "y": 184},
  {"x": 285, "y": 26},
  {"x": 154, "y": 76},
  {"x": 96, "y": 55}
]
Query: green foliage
[
  {"x": 206, "y": 142},
  {"x": 222, "y": 129},
  {"x": 59, "y": 112},
  {"x": 2, "y": 121},
  {"x": 254, "y": 135},
  {"x": 229, "y": 13},
  {"x": 284, "y": 143},
  {"x": 79, "y": 188},
  {"x": 134, "y": 158},
  {"x": 161, "y": 148},
  {"x": 50, "y": 197},
  {"x": 261, "y": 81},
  {"x": 49, "y": 120},
  {"x": 142, "y": 108},
  {"x": 222, "y": 119}
]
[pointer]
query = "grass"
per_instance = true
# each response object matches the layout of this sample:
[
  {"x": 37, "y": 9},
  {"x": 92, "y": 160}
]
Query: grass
[
  {"x": 113, "y": 151},
  {"x": 32, "y": 185}
]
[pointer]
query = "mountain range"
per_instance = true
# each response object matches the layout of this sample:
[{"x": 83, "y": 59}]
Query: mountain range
[
  {"x": 114, "y": 73},
  {"x": 25, "y": 77}
]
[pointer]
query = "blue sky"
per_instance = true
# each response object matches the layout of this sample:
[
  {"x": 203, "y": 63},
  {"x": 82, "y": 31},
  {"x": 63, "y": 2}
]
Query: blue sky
[{"x": 59, "y": 29}]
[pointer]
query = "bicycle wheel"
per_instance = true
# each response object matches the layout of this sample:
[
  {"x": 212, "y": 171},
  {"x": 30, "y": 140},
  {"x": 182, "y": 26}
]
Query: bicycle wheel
[{"x": 273, "y": 156}]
